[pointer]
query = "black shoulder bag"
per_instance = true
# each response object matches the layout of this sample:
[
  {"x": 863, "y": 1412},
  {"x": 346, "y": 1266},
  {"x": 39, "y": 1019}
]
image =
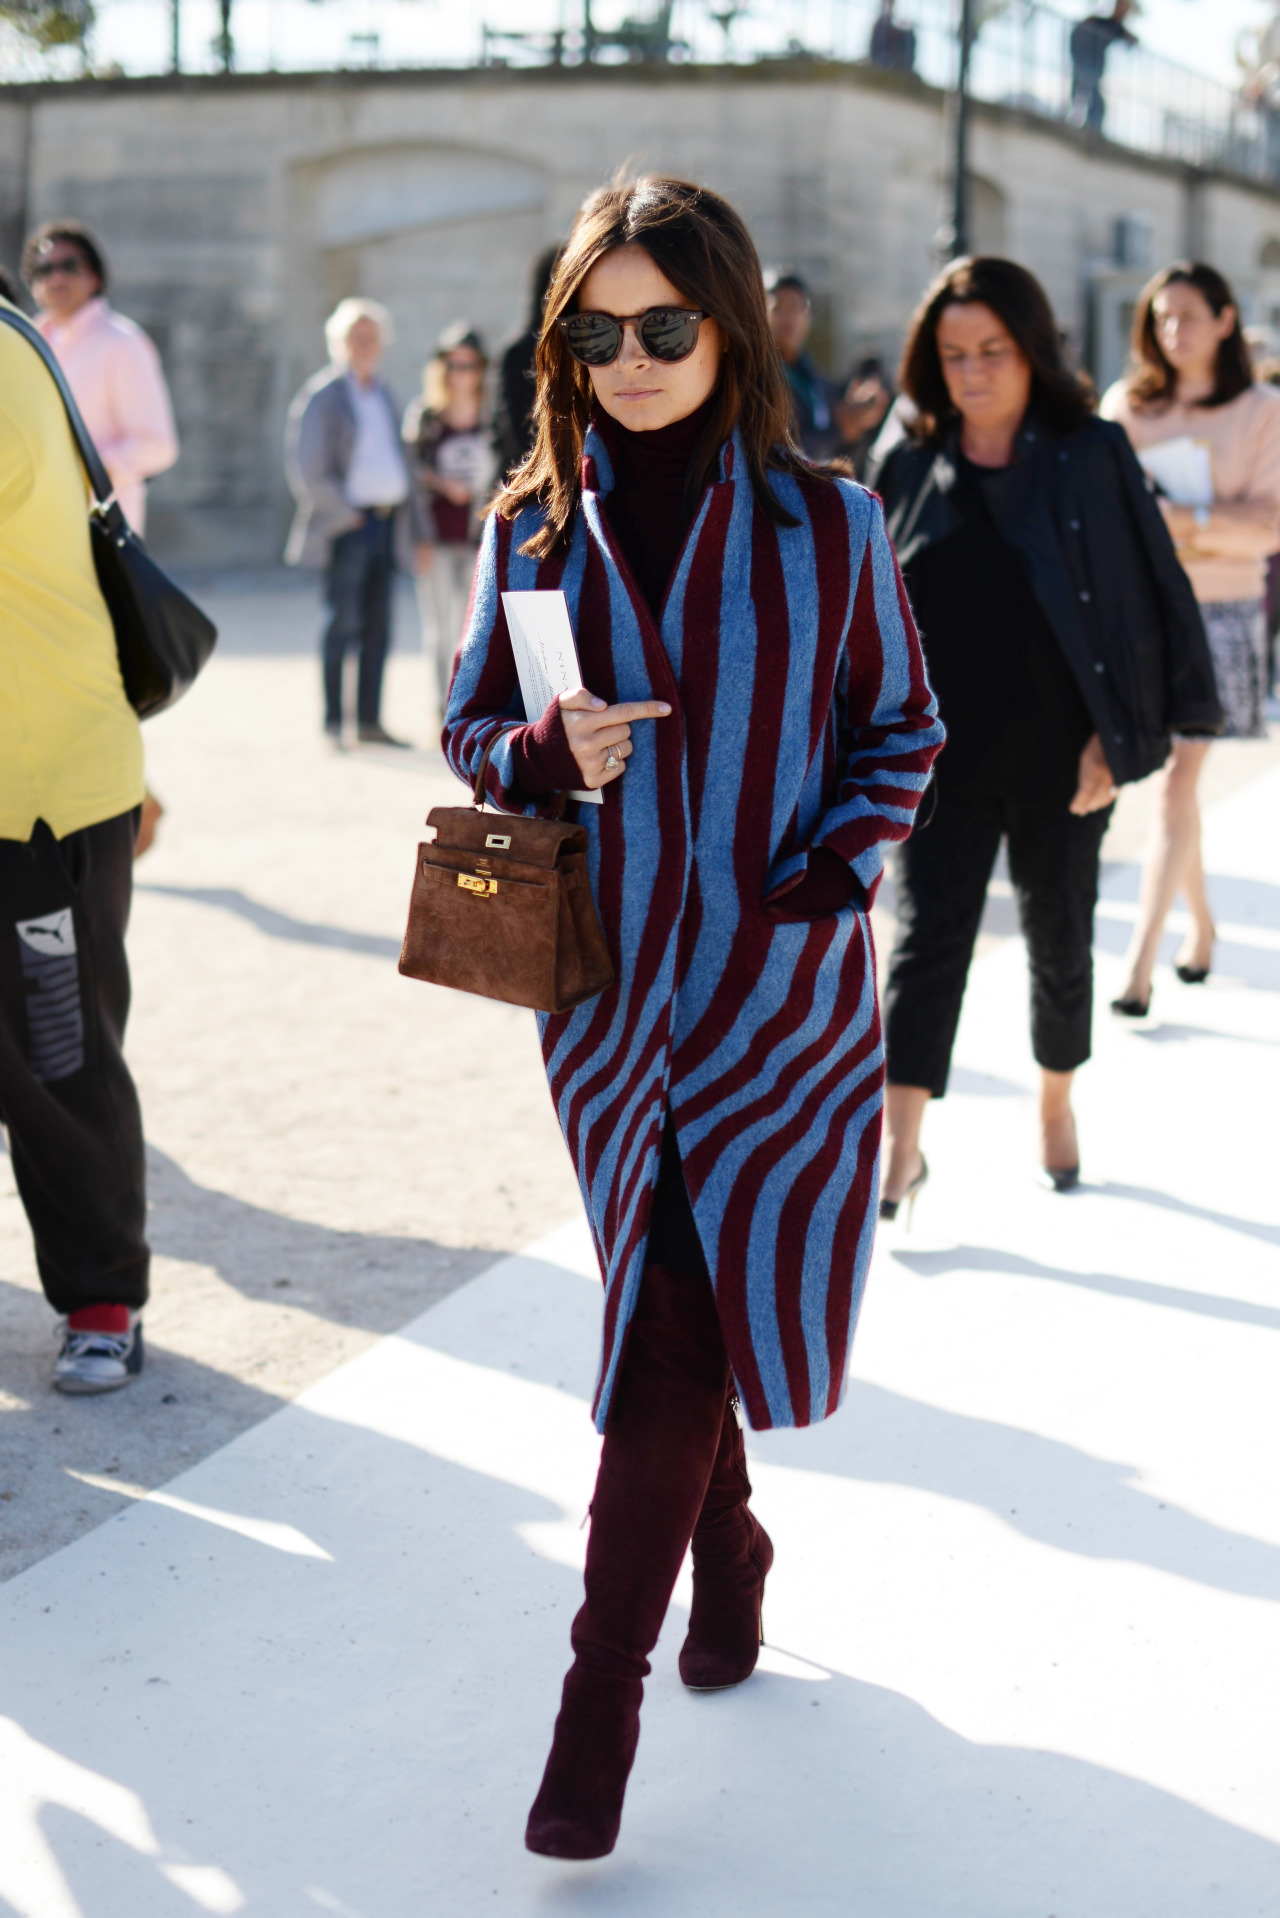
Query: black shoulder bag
[{"x": 162, "y": 637}]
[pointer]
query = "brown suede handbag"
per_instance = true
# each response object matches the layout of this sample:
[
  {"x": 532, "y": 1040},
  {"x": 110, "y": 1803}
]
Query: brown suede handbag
[{"x": 502, "y": 906}]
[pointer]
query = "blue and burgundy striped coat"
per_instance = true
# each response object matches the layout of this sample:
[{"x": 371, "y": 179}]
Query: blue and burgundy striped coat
[{"x": 801, "y": 716}]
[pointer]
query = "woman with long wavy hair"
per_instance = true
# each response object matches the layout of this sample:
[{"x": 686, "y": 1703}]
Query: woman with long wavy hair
[
  {"x": 755, "y": 712},
  {"x": 1064, "y": 643},
  {"x": 1191, "y": 378}
]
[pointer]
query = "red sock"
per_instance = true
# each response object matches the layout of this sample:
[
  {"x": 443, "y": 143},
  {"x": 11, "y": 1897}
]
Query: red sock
[{"x": 99, "y": 1318}]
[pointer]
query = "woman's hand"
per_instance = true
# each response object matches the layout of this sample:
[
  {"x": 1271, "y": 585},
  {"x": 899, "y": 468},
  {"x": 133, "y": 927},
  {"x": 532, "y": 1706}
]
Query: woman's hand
[
  {"x": 863, "y": 406},
  {"x": 456, "y": 491},
  {"x": 1180, "y": 520},
  {"x": 599, "y": 735},
  {"x": 1097, "y": 788},
  {"x": 1234, "y": 529}
]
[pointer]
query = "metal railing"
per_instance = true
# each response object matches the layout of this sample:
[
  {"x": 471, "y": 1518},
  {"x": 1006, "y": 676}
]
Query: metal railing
[{"x": 1021, "y": 57}]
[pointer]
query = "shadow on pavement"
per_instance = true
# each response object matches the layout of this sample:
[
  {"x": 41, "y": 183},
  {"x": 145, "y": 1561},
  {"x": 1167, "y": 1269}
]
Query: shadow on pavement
[
  {"x": 185, "y": 1405},
  {"x": 981, "y": 1258},
  {"x": 984, "y": 1085},
  {"x": 377, "y": 1282},
  {"x": 1234, "y": 900},
  {"x": 1252, "y": 966},
  {"x": 1161, "y": 1034},
  {"x": 1167, "y": 1202},
  {"x": 1048, "y": 1491},
  {"x": 363, "y": 1733},
  {"x": 280, "y": 925}
]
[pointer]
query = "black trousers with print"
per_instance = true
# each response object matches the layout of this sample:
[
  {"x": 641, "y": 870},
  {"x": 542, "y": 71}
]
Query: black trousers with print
[
  {"x": 940, "y": 887},
  {"x": 66, "y": 1097}
]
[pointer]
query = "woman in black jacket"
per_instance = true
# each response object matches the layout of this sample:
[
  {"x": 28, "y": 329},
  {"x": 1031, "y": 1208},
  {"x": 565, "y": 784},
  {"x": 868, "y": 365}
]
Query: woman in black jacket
[{"x": 1064, "y": 644}]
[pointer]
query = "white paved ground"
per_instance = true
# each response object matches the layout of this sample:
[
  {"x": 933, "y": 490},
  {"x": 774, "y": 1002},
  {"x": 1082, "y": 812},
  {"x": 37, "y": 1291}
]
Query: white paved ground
[{"x": 1023, "y": 1654}]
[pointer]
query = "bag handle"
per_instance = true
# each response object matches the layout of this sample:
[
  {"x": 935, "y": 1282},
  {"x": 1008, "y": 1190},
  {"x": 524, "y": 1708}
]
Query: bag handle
[
  {"x": 99, "y": 478},
  {"x": 477, "y": 784}
]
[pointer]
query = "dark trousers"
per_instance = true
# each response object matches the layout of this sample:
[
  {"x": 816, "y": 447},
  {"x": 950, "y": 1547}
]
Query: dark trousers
[
  {"x": 940, "y": 886},
  {"x": 66, "y": 1097},
  {"x": 358, "y": 594}
]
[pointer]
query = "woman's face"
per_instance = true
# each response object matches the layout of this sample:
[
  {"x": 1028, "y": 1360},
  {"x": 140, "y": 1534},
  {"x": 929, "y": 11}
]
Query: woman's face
[
  {"x": 464, "y": 371},
  {"x": 988, "y": 375},
  {"x": 63, "y": 281},
  {"x": 1188, "y": 330},
  {"x": 639, "y": 392}
]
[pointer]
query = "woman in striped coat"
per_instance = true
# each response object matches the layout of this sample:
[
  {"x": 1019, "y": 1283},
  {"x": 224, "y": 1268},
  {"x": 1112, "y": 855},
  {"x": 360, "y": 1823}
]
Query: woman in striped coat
[{"x": 756, "y": 711}]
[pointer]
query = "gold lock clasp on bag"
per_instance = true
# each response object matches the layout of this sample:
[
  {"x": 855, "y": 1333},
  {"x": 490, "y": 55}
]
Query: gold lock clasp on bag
[{"x": 486, "y": 886}]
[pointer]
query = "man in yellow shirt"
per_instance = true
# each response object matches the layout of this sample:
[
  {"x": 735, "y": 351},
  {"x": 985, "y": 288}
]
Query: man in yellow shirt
[{"x": 70, "y": 788}]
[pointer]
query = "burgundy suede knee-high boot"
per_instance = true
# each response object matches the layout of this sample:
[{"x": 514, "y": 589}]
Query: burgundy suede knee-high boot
[
  {"x": 732, "y": 1554},
  {"x": 664, "y": 1427}
]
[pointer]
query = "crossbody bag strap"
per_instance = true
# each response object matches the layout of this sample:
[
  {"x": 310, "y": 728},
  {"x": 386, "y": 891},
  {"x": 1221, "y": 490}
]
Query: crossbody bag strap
[
  {"x": 99, "y": 478},
  {"x": 477, "y": 784}
]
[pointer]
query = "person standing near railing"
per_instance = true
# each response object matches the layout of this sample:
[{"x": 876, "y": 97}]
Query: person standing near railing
[
  {"x": 893, "y": 43},
  {"x": 1091, "y": 41},
  {"x": 1192, "y": 381}
]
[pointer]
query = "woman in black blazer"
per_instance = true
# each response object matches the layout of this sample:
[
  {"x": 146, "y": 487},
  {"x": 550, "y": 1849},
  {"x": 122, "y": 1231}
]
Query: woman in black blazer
[{"x": 1065, "y": 645}]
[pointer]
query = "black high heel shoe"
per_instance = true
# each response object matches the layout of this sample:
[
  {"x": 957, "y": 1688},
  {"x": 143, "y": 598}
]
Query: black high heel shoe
[
  {"x": 1131, "y": 1008},
  {"x": 889, "y": 1207},
  {"x": 1193, "y": 975}
]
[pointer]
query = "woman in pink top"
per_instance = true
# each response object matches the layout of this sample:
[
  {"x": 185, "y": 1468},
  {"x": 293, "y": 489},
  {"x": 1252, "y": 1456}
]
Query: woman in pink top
[
  {"x": 1192, "y": 381},
  {"x": 111, "y": 366}
]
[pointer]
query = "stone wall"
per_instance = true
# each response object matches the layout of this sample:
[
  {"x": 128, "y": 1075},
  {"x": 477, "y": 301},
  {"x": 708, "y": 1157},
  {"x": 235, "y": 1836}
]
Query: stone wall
[{"x": 236, "y": 212}]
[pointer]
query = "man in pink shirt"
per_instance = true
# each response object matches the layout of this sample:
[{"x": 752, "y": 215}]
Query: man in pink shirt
[{"x": 111, "y": 366}]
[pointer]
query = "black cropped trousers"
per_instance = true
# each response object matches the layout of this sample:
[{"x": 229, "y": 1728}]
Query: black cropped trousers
[
  {"x": 940, "y": 887},
  {"x": 67, "y": 1099}
]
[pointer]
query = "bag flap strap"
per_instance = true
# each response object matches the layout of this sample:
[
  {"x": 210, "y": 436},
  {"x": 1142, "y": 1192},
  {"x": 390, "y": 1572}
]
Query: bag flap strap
[
  {"x": 477, "y": 784},
  {"x": 99, "y": 478}
]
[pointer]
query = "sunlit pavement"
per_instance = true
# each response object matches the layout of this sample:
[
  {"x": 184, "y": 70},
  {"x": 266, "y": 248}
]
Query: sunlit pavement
[{"x": 1023, "y": 1655}]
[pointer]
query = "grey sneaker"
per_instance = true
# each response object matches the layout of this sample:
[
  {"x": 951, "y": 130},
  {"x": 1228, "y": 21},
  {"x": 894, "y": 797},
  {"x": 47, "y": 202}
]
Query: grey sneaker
[{"x": 98, "y": 1361}]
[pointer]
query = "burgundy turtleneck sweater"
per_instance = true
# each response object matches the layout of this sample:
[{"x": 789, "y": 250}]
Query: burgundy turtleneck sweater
[{"x": 649, "y": 518}]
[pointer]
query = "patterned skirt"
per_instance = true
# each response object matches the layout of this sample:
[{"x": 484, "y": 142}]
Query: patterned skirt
[{"x": 1238, "y": 642}]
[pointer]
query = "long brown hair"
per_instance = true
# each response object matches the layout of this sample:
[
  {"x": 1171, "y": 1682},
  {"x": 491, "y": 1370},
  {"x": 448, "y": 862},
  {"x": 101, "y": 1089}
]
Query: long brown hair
[
  {"x": 703, "y": 247},
  {"x": 1062, "y": 398},
  {"x": 1151, "y": 381}
]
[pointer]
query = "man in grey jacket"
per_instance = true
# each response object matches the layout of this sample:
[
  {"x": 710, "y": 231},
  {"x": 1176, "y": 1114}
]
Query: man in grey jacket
[{"x": 358, "y": 515}]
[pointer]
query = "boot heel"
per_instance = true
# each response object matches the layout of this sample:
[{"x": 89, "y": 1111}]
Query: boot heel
[{"x": 726, "y": 1626}]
